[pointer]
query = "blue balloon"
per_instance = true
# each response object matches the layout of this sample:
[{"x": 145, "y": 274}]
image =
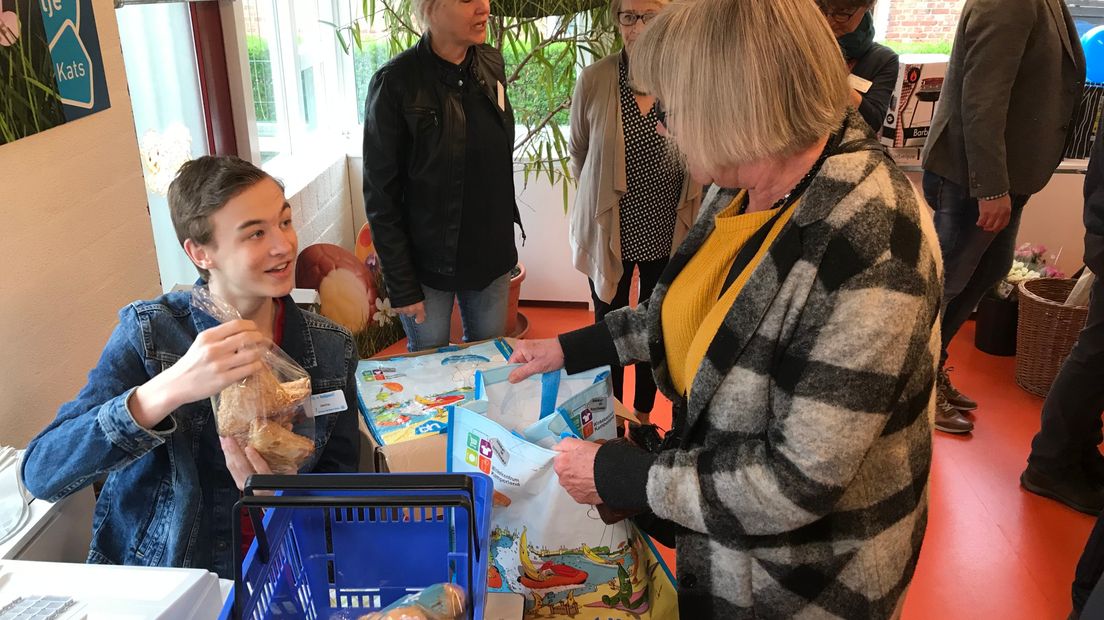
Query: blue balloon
[{"x": 1093, "y": 44}]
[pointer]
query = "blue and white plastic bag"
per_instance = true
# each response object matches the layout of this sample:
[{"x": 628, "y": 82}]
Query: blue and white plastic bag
[{"x": 585, "y": 399}]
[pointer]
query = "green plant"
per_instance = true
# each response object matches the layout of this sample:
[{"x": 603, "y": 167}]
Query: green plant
[
  {"x": 367, "y": 57},
  {"x": 543, "y": 43},
  {"x": 29, "y": 101},
  {"x": 919, "y": 47},
  {"x": 260, "y": 71}
]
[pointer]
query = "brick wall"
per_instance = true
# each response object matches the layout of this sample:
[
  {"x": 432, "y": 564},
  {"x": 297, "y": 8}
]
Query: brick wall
[
  {"x": 922, "y": 20},
  {"x": 322, "y": 209}
]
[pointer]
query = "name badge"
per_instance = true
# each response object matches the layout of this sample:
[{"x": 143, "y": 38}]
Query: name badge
[
  {"x": 860, "y": 84},
  {"x": 327, "y": 403}
]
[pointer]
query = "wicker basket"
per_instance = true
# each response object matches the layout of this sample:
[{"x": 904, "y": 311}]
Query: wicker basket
[{"x": 1046, "y": 331}]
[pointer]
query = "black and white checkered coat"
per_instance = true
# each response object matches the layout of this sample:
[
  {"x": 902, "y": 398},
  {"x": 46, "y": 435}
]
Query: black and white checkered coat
[{"x": 799, "y": 484}]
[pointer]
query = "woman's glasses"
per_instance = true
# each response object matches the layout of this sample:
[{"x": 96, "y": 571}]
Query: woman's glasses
[
  {"x": 836, "y": 15},
  {"x": 628, "y": 18}
]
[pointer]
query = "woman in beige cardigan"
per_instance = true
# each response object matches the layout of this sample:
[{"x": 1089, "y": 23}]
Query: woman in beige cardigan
[{"x": 635, "y": 201}]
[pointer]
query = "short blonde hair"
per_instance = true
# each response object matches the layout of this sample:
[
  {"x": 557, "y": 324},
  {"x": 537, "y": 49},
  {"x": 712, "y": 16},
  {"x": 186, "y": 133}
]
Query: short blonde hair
[
  {"x": 614, "y": 9},
  {"x": 421, "y": 9},
  {"x": 743, "y": 80}
]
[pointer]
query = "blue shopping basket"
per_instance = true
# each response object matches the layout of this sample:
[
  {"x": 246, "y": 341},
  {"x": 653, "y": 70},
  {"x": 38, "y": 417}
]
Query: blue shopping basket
[{"x": 359, "y": 542}]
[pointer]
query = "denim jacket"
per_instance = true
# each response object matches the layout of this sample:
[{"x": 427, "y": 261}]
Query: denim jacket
[{"x": 168, "y": 498}]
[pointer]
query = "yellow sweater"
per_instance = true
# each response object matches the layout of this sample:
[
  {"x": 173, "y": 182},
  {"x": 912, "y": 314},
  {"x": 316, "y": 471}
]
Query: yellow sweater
[{"x": 691, "y": 311}]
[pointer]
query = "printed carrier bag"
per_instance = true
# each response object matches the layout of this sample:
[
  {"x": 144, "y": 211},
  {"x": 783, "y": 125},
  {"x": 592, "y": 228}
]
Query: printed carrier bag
[
  {"x": 558, "y": 554},
  {"x": 584, "y": 399},
  {"x": 404, "y": 398}
]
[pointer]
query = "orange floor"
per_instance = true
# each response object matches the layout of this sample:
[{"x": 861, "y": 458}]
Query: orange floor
[{"x": 992, "y": 550}]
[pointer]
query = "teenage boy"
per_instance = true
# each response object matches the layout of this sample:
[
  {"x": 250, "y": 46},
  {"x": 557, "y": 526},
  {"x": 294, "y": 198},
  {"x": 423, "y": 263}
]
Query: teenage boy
[{"x": 144, "y": 419}]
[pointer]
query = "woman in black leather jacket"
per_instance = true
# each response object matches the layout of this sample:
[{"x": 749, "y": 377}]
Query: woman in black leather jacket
[{"x": 438, "y": 176}]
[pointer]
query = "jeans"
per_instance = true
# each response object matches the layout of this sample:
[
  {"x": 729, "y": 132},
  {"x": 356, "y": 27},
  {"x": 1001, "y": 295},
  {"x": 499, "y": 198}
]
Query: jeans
[
  {"x": 483, "y": 314},
  {"x": 645, "y": 391},
  {"x": 974, "y": 260}
]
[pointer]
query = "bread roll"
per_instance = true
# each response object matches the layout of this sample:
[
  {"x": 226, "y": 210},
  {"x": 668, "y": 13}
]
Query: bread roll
[{"x": 283, "y": 450}]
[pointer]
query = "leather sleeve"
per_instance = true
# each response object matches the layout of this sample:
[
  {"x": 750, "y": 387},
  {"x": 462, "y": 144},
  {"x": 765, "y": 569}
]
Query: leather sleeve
[{"x": 384, "y": 153}]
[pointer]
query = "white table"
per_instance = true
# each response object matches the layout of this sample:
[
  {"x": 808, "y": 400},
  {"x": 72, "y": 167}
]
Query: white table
[{"x": 54, "y": 531}]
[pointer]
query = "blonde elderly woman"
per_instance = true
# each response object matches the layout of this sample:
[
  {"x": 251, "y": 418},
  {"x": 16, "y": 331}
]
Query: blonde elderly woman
[
  {"x": 635, "y": 201},
  {"x": 794, "y": 330},
  {"x": 438, "y": 176}
]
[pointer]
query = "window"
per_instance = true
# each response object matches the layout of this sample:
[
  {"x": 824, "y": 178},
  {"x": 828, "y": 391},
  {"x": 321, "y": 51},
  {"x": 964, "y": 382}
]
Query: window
[
  {"x": 917, "y": 26},
  {"x": 530, "y": 94},
  {"x": 293, "y": 71},
  {"x": 164, "y": 89},
  {"x": 1087, "y": 14}
]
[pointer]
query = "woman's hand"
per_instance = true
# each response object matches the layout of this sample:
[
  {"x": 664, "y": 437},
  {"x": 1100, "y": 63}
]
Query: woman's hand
[
  {"x": 243, "y": 463},
  {"x": 536, "y": 356},
  {"x": 415, "y": 311},
  {"x": 575, "y": 466}
]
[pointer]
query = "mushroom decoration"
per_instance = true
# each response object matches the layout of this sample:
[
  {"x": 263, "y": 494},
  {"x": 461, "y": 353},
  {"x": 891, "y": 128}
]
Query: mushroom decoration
[{"x": 345, "y": 285}]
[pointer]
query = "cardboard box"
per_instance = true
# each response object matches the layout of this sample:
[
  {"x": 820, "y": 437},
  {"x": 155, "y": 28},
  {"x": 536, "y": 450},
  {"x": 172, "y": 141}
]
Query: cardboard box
[
  {"x": 406, "y": 397},
  {"x": 426, "y": 454},
  {"x": 905, "y": 156},
  {"x": 915, "y": 97}
]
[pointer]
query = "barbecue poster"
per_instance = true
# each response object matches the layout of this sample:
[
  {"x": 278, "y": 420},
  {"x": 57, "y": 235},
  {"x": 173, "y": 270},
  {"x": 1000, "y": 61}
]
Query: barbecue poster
[
  {"x": 915, "y": 96},
  {"x": 51, "y": 70}
]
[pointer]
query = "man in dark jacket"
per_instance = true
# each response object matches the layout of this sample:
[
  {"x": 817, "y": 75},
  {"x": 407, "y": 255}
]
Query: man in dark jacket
[
  {"x": 438, "y": 177},
  {"x": 1065, "y": 463},
  {"x": 873, "y": 66},
  {"x": 1013, "y": 81}
]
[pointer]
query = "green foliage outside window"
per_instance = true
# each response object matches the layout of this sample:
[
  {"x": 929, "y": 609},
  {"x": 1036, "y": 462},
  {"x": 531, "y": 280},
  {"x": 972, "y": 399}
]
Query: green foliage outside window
[
  {"x": 529, "y": 95},
  {"x": 919, "y": 47},
  {"x": 260, "y": 71}
]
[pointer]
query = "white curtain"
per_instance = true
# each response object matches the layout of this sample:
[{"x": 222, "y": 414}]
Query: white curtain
[{"x": 164, "y": 92}]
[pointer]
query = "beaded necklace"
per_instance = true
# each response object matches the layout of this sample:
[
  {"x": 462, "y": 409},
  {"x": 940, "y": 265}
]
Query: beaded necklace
[{"x": 803, "y": 184}]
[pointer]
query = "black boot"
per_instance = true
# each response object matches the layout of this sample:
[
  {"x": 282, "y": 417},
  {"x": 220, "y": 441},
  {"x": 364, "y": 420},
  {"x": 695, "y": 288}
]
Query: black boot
[{"x": 1072, "y": 488}]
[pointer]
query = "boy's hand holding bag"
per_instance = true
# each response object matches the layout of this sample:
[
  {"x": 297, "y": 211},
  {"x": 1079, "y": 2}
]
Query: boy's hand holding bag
[{"x": 268, "y": 410}]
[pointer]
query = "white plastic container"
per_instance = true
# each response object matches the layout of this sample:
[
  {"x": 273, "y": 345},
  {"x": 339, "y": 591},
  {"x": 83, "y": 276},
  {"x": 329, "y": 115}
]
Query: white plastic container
[{"x": 115, "y": 592}]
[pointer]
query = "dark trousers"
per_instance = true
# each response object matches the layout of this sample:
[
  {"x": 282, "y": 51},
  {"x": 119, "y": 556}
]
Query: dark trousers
[
  {"x": 1087, "y": 577},
  {"x": 973, "y": 260},
  {"x": 644, "y": 398},
  {"x": 1070, "y": 427}
]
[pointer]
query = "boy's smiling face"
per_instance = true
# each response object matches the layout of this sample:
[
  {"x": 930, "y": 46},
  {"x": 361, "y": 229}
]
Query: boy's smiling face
[{"x": 253, "y": 246}]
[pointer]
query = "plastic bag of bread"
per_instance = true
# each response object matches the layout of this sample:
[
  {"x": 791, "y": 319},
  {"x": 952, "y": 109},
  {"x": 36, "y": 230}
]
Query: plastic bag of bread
[
  {"x": 268, "y": 410},
  {"x": 442, "y": 601}
]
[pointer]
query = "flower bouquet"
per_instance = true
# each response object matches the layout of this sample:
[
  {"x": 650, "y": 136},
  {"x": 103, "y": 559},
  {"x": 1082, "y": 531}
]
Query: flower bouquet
[{"x": 1028, "y": 263}]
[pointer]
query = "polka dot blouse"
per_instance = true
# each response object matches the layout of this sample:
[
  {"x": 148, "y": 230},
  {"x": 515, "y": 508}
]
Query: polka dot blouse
[{"x": 654, "y": 179}]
